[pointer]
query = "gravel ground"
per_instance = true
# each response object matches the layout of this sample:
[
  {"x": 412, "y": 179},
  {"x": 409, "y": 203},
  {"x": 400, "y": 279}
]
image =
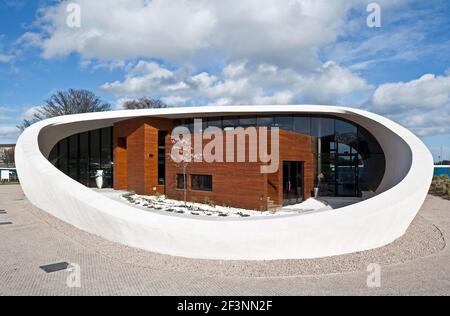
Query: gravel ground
[{"x": 422, "y": 239}]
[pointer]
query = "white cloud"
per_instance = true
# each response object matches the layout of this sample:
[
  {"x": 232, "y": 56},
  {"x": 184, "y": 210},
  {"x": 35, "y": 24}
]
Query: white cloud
[
  {"x": 426, "y": 93},
  {"x": 422, "y": 105},
  {"x": 332, "y": 81},
  {"x": 143, "y": 78},
  {"x": 278, "y": 32},
  {"x": 8, "y": 134},
  {"x": 6, "y": 113},
  {"x": 239, "y": 83},
  {"x": 29, "y": 112},
  {"x": 117, "y": 29},
  {"x": 6, "y": 58}
]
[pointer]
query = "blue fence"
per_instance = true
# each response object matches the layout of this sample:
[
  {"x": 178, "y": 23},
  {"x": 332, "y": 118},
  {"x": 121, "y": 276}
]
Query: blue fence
[{"x": 441, "y": 170}]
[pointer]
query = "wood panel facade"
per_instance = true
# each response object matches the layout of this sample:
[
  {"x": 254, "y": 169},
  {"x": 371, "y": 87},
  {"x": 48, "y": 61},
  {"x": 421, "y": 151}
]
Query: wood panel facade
[
  {"x": 136, "y": 154},
  {"x": 236, "y": 184}
]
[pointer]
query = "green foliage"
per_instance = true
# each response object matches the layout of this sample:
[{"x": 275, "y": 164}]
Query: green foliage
[{"x": 209, "y": 202}]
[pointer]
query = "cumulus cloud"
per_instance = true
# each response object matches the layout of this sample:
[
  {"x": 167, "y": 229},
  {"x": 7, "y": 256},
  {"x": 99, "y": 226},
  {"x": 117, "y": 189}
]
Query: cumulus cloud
[
  {"x": 5, "y": 113},
  {"x": 238, "y": 83},
  {"x": 5, "y": 58},
  {"x": 29, "y": 112},
  {"x": 281, "y": 32},
  {"x": 422, "y": 105},
  {"x": 8, "y": 134}
]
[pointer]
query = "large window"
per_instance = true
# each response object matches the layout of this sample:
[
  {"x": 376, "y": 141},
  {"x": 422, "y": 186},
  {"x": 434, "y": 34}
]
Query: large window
[
  {"x": 81, "y": 156},
  {"x": 201, "y": 182},
  {"x": 181, "y": 181},
  {"x": 349, "y": 160},
  {"x": 162, "y": 157}
]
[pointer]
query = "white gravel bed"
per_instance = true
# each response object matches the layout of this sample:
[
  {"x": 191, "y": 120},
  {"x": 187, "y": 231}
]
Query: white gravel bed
[{"x": 161, "y": 203}]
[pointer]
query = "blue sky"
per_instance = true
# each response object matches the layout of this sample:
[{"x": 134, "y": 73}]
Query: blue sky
[{"x": 234, "y": 52}]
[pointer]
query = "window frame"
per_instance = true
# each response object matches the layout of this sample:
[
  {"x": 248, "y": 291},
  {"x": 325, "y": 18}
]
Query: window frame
[{"x": 202, "y": 187}]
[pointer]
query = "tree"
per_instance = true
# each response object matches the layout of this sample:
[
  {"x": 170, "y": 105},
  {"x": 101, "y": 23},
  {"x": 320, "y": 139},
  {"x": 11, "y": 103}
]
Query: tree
[
  {"x": 144, "y": 103},
  {"x": 182, "y": 155},
  {"x": 7, "y": 156},
  {"x": 65, "y": 103}
]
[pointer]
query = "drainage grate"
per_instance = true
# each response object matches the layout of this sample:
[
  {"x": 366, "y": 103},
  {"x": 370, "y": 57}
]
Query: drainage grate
[
  {"x": 5, "y": 223},
  {"x": 55, "y": 267}
]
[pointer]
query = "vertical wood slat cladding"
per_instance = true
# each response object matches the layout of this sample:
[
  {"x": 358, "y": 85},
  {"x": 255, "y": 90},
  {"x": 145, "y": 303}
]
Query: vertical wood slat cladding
[
  {"x": 242, "y": 184},
  {"x": 296, "y": 147},
  {"x": 120, "y": 163},
  {"x": 236, "y": 184},
  {"x": 137, "y": 168}
]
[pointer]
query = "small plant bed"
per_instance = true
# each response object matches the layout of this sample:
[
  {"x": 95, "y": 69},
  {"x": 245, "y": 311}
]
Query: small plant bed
[
  {"x": 441, "y": 187},
  {"x": 9, "y": 182},
  {"x": 161, "y": 203}
]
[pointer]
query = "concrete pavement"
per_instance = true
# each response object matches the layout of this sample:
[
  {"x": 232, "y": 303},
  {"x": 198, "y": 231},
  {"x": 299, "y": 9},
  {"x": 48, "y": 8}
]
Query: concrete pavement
[{"x": 35, "y": 239}]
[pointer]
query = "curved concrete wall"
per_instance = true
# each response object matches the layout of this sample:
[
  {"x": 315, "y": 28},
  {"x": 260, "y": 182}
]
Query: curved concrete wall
[{"x": 369, "y": 224}]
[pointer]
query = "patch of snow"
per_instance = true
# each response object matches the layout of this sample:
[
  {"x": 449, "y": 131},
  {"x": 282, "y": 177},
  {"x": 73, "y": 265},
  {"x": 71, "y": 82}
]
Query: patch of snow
[
  {"x": 161, "y": 203},
  {"x": 310, "y": 204}
]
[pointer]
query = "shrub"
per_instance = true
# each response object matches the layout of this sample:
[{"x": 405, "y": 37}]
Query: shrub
[
  {"x": 209, "y": 202},
  {"x": 445, "y": 189}
]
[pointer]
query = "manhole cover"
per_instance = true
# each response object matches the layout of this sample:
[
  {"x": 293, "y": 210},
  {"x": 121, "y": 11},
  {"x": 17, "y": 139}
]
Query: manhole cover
[{"x": 55, "y": 267}]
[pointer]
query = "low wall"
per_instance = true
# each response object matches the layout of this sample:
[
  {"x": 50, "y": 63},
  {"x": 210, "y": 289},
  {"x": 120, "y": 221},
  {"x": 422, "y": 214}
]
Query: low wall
[{"x": 369, "y": 224}]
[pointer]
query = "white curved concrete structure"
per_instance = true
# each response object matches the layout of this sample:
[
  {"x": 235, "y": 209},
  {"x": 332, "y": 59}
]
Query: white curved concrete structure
[{"x": 366, "y": 225}]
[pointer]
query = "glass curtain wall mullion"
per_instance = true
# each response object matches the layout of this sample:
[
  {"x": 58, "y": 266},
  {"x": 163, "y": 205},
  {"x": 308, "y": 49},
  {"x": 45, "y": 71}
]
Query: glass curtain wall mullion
[{"x": 111, "y": 130}]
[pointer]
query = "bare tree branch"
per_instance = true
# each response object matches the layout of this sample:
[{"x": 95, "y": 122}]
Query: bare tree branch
[
  {"x": 65, "y": 103},
  {"x": 144, "y": 103}
]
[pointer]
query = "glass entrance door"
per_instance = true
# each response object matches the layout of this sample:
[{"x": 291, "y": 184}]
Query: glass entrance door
[
  {"x": 347, "y": 175},
  {"x": 292, "y": 182}
]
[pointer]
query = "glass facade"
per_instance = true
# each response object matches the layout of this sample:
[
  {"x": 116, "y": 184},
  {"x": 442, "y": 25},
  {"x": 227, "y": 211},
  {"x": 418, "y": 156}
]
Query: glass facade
[
  {"x": 201, "y": 182},
  {"x": 162, "y": 157},
  {"x": 349, "y": 160},
  {"x": 80, "y": 156}
]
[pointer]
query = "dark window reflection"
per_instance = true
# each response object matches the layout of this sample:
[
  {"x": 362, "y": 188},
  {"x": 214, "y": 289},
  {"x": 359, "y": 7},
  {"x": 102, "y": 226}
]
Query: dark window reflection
[
  {"x": 94, "y": 161},
  {"x": 83, "y": 156},
  {"x": 245, "y": 121},
  {"x": 348, "y": 159},
  {"x": 302, "y": 125},
  {"x": 83, "y": 164},
  {"x": 284, "y": 122},
  {"x": 322, "y": 127},
  {"x": 63, "y": 156},
  {"x": 73, "y": 157}
]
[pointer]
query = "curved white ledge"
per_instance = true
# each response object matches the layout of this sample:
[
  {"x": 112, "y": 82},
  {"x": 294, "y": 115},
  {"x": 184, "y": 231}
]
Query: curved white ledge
[{"x": 366, "y": 225}]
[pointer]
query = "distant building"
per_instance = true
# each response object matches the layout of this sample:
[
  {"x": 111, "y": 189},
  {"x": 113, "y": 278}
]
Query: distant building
[{"x": 7, "y": 155}]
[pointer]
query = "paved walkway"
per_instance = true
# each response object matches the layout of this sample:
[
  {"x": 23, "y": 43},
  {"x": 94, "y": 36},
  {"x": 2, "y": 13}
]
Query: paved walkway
[{"x": 34, "y": 240}]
